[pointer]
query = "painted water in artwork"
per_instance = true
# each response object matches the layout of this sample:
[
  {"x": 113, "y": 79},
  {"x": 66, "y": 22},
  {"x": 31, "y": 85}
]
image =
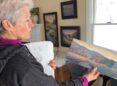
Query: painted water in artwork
[{"x": 89, "y": 56}]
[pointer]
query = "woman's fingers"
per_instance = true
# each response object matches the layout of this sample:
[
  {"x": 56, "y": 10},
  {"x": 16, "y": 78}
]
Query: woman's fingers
[
  {"x": 53, "y": 63},
  {"x": 92, "y": 74}
]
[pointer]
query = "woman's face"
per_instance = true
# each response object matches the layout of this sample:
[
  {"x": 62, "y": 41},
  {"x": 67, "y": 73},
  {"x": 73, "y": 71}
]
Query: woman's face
[{"x": 23, "y": 24}]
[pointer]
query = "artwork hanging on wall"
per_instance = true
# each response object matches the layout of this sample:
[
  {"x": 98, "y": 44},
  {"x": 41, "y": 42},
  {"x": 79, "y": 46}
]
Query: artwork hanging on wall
[
  {"x": 51, "y": 28},
  {"x": 69, "y": 9},
  {"x": 68, "y": 33}
]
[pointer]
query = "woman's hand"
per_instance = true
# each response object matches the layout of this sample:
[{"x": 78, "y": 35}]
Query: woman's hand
[
  {"x": 92, "y": 74},
  {"x": 53, "y": 63}
]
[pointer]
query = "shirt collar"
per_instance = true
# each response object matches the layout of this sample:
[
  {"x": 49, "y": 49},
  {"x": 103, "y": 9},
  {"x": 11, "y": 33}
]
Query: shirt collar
[{"x": 4, "y": 41}]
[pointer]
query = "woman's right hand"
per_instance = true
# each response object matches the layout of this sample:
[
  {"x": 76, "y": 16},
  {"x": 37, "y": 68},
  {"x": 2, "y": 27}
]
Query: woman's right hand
[
  {"x": 92, "y": 74},
  {"x": 53, "y": 63}
]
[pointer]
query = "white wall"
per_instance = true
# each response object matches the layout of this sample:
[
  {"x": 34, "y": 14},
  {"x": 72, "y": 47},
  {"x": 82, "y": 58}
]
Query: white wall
[{"x": 46, "y": 6}]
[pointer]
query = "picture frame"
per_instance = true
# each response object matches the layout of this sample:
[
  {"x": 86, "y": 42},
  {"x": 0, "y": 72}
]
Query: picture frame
[
  {"x": 35, "y": 15},
  {"x": 68, "y": 33},
  {"x": 51, "y": 27},
  {"x": 69, "y": 9}
]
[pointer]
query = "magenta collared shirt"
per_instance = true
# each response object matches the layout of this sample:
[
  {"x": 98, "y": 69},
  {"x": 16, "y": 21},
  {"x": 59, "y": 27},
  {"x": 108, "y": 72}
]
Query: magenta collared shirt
[{"x": 4, "y": 41}]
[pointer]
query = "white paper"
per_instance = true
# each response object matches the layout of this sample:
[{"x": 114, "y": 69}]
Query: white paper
[{"x": 43, "y": 52}]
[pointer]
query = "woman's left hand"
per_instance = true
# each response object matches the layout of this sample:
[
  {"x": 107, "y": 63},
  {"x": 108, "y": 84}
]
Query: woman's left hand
[{"x": 92, "y": 74}]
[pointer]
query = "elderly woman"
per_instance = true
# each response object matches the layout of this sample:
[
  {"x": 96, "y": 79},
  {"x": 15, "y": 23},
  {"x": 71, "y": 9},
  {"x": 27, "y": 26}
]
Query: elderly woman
[{"x": 17, "y": 66}]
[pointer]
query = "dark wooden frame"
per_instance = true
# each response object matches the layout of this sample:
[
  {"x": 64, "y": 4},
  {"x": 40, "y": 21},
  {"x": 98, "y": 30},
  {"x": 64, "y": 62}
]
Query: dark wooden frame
[
  {"x": 51, "y": 27},
  {"x": 69, "y": 34},
  {"x": 69, "y": 9}
]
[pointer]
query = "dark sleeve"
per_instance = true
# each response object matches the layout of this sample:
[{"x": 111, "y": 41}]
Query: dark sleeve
[{"x": 35, "y": 77}]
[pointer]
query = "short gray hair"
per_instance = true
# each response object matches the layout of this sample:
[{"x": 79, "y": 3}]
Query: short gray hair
[{"x": 10, "y": 10}]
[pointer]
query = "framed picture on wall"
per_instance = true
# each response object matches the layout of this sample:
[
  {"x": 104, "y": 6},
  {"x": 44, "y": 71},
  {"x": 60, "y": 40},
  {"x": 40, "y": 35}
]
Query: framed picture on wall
[
  {"x": 68, "y": 33},
  {"x": 51, "y": 27},
  {"x": 69, "y": 9}
]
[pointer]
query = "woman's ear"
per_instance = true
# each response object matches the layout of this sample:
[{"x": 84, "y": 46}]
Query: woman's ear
[{"x": 7, "y": 25}]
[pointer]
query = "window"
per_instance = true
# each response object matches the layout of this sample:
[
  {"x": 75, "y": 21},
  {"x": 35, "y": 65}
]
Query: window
[
  {"x": 105, "y": 11},
  {"x": 103, "y": 24}
]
